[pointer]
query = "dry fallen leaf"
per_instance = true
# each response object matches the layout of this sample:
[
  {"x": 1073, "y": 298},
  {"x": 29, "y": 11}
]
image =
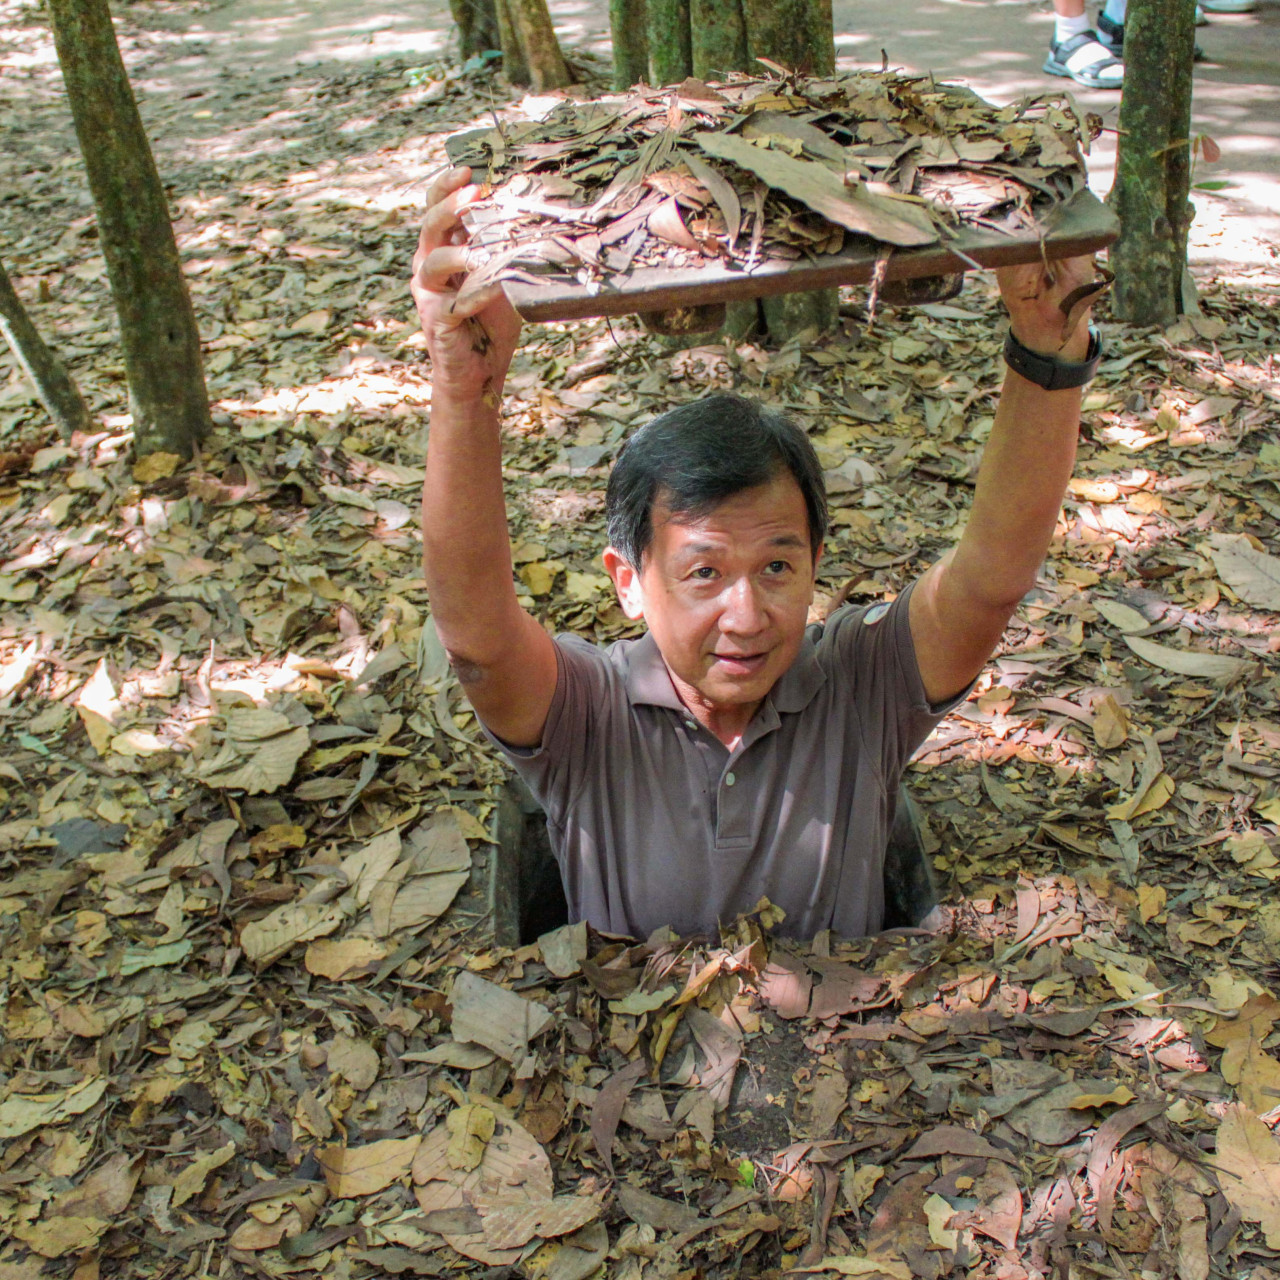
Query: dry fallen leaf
[
  {"x": 1248, "y": 1158},
  {"x": 471, "y": 1127},
  {"x": 360, "y": 1171}
]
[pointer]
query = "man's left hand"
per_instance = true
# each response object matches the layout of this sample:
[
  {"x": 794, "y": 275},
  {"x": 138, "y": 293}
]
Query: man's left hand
[{"x": 1035, "y": 294}]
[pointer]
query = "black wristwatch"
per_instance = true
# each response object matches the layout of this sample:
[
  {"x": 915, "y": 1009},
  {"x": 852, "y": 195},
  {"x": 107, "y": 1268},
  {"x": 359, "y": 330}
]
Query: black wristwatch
[{"x": 1047, "y": 371}]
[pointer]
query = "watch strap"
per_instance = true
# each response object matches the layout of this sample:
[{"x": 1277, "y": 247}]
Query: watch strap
[{"x": 1048, "y": 371}]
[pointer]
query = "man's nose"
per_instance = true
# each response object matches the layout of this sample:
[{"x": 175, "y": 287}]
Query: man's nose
[{"x": 744, "y": 612}]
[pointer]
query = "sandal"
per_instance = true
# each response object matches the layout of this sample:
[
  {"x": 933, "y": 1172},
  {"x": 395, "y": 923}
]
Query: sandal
[
  {"x": 1111, "y": 36},
  {"x": 1086, "y": 60}
]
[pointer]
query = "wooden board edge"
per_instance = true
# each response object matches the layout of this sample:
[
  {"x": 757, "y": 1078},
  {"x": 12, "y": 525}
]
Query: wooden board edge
[{"x": 1082, "y": 224}]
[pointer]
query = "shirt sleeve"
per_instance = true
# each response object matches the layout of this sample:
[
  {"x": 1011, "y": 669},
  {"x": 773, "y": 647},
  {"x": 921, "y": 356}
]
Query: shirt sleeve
[
  {"x": 555, "y": 770},
  {"x": 872, "y": 653}
]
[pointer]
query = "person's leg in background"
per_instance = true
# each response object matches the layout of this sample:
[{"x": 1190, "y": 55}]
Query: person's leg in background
[
  {"x": 1077, "y": 53},
  {"x": 1111, "y": 23}
]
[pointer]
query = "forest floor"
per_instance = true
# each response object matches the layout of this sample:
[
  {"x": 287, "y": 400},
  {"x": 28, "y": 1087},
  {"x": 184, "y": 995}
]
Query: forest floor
[{"x": 254, "y": 1022}]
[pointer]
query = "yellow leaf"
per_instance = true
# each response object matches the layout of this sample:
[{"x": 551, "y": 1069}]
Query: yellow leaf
[
  {"x": 538, "y": 577},
  {"x": 1209, "y": 933},
  {"x": 1120, "y": 1096},
  {"x": 1156, "y": 796},
  {"x": 587, "y": 588},
  {"x": 471, "y": 826},
  {"x": 854, "y": 1266},
  {"x": 344, "y": 958},
  {"x": 155, "y": 466},
  {"x": 1128, "y": 985},
  {"x": 939, "y": 1213},
  {"x": 61, "y": 1235},
  {"x": 1258, "y": 1086},
  {"x": 266, "y": 940},
  {"x": 1249, "y": 1154},
  {"x": 1151, "y": 901},
  {"x": 859, "y": 1183},
  {"x": 470, "y": 1127},
  {"x": 312, "y": 323},
  {"x": 1230, "y": 990},
  {"x": 1269, "y": 810},
  {"x": 1110, "y": 723},
  {"x": 360, "y": 1171},
  {"x": 190, "y": 1182}
]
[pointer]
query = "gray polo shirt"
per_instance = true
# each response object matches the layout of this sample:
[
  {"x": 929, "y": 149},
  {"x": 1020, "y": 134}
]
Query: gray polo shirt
[{"x": 655, "y": 822}]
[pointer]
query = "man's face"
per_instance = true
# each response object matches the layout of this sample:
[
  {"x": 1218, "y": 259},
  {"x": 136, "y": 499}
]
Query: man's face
[{"x": 726, "y": 595}]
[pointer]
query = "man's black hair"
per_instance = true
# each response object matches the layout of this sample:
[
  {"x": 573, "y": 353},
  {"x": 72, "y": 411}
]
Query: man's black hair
[{"x": 696, "y": 456}]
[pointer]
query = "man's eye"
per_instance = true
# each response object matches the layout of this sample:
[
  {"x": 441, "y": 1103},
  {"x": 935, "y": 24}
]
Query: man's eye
[
  {"x": 778, "y": 566},
  {"x": 704, "y": 573}
]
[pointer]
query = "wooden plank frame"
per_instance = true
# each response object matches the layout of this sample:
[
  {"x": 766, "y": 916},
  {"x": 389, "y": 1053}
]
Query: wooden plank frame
[{"x": 1079, "y": 225}]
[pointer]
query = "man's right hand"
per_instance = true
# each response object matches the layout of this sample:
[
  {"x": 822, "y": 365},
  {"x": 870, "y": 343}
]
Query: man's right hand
[
  {"x": 471, "y": 332},
  {"x": 504, "y": 659}
]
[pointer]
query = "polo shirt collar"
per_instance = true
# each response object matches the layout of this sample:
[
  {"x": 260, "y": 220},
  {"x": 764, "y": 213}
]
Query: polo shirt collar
[{"x": 649, "y": 682}]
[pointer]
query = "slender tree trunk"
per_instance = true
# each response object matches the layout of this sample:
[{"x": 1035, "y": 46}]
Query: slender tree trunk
[
  {"x": 799, "y": 34},
  {"x": 477, "y": 26},
  {"x": 158, "y": 332},
  {"x": 1153, "y": 163},
  {"x": 514, "y": 64},
  {"x": 629, "y": 24},
  {"x": 670, "y": 41},
  {"x": 54, "y": 385},
  {"x": 530, "y": 26},
  {"x": 718, "y": 34}
]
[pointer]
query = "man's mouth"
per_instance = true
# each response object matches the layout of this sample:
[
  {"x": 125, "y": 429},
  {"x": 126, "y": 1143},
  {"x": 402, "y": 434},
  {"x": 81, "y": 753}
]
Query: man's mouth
[{"x": 741, "y": 664}]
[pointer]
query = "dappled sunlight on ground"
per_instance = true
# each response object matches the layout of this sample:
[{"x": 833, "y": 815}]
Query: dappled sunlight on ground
[{"x": 245, "y": 810}]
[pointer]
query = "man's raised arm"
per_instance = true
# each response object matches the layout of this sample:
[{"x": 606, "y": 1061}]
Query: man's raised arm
[
  {"x": 961, "y": 606},
  {"x": 504, "y": 659}
]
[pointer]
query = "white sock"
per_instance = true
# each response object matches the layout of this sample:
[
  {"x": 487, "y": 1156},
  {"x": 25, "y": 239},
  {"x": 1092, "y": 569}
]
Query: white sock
[
  {"x": 1065, "y": 28},
  {"x": 1115, "y": 10}
]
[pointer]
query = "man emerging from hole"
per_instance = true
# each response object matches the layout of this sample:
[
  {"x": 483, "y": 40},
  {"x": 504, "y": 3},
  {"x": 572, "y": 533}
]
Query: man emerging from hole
[{"x": 732, "y": 752}]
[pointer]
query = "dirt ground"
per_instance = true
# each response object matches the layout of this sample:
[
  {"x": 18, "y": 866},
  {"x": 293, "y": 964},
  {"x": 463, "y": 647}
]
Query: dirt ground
[{"x": 225, "y": 729}]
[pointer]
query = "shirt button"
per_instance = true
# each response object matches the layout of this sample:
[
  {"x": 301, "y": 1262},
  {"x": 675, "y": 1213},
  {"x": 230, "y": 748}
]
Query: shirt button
[{"x": 729, "y": 779}]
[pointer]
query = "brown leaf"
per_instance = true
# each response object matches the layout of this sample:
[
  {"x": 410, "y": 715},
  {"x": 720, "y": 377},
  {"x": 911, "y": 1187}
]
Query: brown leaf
[
  {"x": 512, "y": 1228},
  {"x": 360, "y": 1171},
  {"x": 487, "y": 1014},
  {"x": 892, "y": 221},
  {"x": 514, "y": 1168},
  {"x": 344, "y": 958},
  {"x": 606, "y": 1111},
  {"x": 786, "y": 985},
  {"x": 951, "y": 1140},
  {"x": 666, "y": 223},
  {"x": 999, "y": 1211},
  {"x": 658, "y": 1212}
]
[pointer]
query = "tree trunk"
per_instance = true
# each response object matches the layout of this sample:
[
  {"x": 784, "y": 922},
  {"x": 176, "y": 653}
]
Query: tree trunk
[
  {"x": 670, "y": 43},
  {"x": 167, "y": 393},
  {"x": 629, "y": 24},
  {"x": 477, "y": 26},
  {"x": 54, "y": 385},
  {"x": 544, "y": 64},
  {"x": 1153, "y": 163},
  {"x": 514, "y": 64},
  {"x": 718, "y": 36},
  {"x": 798, "y": 34}
]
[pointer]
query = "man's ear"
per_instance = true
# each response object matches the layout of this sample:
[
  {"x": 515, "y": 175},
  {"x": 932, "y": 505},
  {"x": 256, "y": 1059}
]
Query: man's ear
[{"x": 626, "y": 582}]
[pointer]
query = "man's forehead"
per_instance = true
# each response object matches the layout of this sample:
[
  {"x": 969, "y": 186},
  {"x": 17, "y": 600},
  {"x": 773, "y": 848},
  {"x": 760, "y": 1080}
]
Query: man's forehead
[{"x": 776, "y": 504}]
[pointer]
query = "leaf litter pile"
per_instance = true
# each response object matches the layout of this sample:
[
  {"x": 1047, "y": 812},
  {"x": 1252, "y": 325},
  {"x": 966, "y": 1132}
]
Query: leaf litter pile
[
  {"x": 253, "y": 1021},
  {"x": 760, "y": 169}
]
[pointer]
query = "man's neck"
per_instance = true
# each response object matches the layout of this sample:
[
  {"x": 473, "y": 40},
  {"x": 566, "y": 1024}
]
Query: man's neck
[{"x": 726, "y": 723}]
